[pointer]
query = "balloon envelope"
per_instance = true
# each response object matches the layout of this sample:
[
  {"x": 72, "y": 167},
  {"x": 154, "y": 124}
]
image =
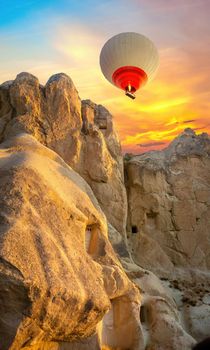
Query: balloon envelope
[{"x": 129, "y": 60}]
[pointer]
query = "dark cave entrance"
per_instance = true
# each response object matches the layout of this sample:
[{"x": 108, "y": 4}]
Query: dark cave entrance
[{"x": 134, "y": 229}]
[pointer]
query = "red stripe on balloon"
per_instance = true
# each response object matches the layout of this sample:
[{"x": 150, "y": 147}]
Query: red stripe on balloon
[{"x": 129, "y": 78}]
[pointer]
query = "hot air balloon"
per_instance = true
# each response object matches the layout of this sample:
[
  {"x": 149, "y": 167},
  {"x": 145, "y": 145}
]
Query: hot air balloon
[{"x": 129, "y": 61}]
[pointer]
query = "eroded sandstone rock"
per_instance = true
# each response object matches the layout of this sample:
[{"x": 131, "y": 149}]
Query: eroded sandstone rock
[
  {"x": 59, "y": 274},
  {"x": 103, "y": 163},
  {"x": 62, "y": 285},
  {"x": 161, "y": 321},
  {"x": 82, "y": 134},
  {"x": 169, "y": 222}
]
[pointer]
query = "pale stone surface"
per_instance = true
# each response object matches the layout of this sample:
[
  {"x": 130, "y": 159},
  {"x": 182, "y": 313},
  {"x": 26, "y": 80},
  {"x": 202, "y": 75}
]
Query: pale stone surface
[
  {"x": 103, "y": 163},
  {"x": 190, "y": 289},
  {"x": 169, "y": 221},
  {"x": 52, "y": 113},
  {"x": 54, "y": 288},
  {"x": 162, "y": 326},
  {"x": 169, "y": 201},
  {"x": 82, "y": 134}
]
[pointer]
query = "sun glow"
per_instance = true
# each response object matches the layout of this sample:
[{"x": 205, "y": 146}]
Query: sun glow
[{"x": 178, "y": 97}]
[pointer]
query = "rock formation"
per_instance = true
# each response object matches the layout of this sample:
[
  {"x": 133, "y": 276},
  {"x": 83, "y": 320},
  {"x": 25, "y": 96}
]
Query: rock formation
[
  {"x": 63, "y": 200},
  {"x": 103, "y": 163},
  {"x": 59, "y": 274},
  {"x": 84, "y": 137},
  {"x": 160, "y": 319},
  {"x": 169, "y": 222}
]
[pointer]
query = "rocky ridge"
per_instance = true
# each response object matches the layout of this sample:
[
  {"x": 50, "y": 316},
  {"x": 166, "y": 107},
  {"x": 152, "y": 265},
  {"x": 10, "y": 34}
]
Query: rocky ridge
[
  {"x": 56, "y": 117},
  {"x": 168, "y": 222}
]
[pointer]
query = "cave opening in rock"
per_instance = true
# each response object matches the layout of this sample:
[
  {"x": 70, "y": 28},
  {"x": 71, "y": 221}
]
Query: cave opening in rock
[
  {"x": 134, "y": 229},
  {"x": 143, "y": 313},
  {"x": 91, "y": 239},
  {"x": 119, "y": 329}
]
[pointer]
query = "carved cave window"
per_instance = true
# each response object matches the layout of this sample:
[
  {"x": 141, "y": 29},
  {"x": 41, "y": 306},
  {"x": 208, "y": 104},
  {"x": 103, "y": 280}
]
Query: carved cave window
[
  {"x": 134, "y": 229},
  {"x": 91, "y": 239},
  {"x": 143, "y": 314}
]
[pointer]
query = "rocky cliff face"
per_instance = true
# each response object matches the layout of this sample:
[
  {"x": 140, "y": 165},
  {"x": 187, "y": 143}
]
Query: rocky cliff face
[
  {"x": 61, "y": 284},
  {"x": 59, "y": 274},
  {"x": 81, "y": 133},
  {"x": 169, "y": 221},
  {"x": 103, "y": 163},
  {"x": 63, "y": 200}
]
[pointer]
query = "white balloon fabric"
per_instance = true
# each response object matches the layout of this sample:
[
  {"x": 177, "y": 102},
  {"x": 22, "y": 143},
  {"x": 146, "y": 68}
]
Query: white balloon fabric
[{"x": 125, "y": 55}]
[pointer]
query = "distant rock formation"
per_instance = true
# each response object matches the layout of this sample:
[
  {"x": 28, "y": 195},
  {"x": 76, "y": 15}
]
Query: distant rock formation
[{"x": 169, "y": 222}]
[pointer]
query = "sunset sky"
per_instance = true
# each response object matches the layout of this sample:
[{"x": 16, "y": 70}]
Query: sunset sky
[{"x": 47, "y": 37}]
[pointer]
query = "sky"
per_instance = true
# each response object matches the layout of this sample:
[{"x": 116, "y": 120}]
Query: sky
[{"x": 48, "y": 37}]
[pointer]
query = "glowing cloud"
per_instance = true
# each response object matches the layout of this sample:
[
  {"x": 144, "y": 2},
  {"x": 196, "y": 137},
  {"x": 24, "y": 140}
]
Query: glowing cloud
[{"x": 68, "y": 36}]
